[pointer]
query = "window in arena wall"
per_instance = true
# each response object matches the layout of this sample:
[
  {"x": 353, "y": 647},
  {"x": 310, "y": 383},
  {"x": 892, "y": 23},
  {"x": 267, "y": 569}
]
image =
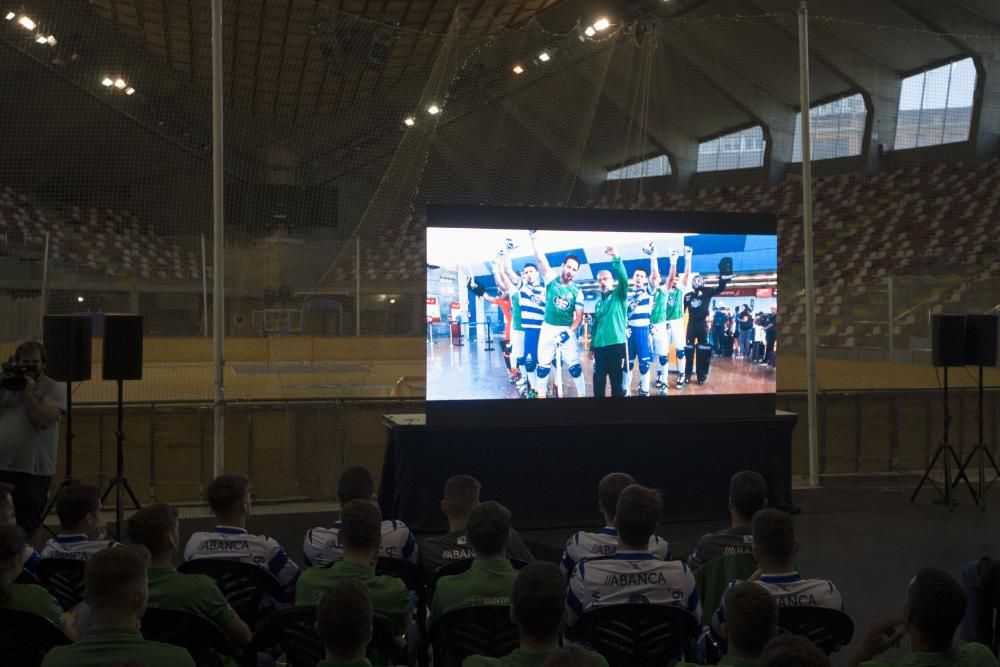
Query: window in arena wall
[
  {"x": 739, "y": 150},
  {"x": 657, "y": 166},
  {"x": 837, "y": 129},
  {"x": 935, "y": 107}
]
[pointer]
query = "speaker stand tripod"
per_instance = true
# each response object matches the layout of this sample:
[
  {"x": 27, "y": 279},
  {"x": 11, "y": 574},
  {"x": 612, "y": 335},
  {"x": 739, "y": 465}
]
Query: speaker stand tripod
[
  {"x": 981, "y": 450},
  {"x": 948, "y": 452},
  {"x": 120, "y": 483},
  {"x": 68, "y": 477}
]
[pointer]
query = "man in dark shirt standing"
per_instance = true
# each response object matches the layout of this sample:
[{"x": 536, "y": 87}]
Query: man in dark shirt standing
[
  {"x": 697, "y": 303},
  {"x": 770, "y": 324},
  {"x": 747, "y": 495},
  {"x": 461, "y": 495}
]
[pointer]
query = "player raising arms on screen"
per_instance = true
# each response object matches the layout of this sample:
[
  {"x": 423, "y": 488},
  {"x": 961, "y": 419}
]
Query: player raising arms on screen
[
  {"x": 640, "y": 305},
  {"x": 528, "y": 311},
  {"x": 697, "y": 302},
  {"x": 563, "y": 316},
  {"x": 667, "y": 318}
]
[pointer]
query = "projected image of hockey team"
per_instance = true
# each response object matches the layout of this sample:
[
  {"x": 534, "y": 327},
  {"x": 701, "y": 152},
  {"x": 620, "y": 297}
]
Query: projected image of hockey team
[{"x": 560, "y": 314}]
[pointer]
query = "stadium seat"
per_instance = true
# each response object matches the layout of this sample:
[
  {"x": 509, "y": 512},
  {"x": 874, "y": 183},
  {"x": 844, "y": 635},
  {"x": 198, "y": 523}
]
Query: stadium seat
[
  {"x": 636, "y": 635},
  {"x": 459, "y": 633},
  {"x": 25, "y": 637},
  {"x": 243, "y": 584},
  {"x": 829, "y": 629},
  {"x": 63, "y": 578}
]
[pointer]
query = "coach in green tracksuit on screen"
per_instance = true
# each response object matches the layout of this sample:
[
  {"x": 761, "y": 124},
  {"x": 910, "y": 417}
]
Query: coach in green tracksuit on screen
[{"x": 607, "y": 342}]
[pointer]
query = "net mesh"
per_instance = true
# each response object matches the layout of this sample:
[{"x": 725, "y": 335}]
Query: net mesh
[{"x": 343, "y": 121}]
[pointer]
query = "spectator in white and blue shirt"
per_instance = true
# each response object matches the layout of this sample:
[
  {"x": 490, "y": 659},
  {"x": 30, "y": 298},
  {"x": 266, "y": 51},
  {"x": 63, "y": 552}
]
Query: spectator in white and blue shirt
[{"x": 79, "y": 538}]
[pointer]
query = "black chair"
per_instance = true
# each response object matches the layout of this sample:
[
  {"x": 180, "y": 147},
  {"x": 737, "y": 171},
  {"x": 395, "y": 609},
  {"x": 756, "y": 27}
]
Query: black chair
[
  {"x": 202, "y": 638},
  {"x": 63, "y": 578},
  {"x": 243, "y": 584},
  {"x": 636, "y": 635},
  {"x": 410, "y": 573},
  {"x": 25, "y": 638},
  {"x": 829, "y": 629},
  {"x": 27, "y": 578},
  {"x": 459, "y": 633}
]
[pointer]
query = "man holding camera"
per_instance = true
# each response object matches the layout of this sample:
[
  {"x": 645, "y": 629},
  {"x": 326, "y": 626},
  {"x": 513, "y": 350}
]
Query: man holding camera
[{"x": 31, "y": 405}]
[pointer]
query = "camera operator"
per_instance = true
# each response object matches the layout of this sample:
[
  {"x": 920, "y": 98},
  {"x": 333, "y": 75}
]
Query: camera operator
[{"x": 31, "y": 405}]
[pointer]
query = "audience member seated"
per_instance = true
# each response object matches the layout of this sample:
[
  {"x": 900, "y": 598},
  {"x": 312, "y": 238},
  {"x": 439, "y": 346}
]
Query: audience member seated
[
  {"x": 359, "y": 533},
  {"x": 538, "y": 608},
  {"x": 934, "y": 609},
  {"x": 584, "y": 545},
  {"x": 774, "y": 547},
  {"x": 747, "y": 495},
  {"x": 490, "y": 579},
  {"x": 79, "y": 512},
  {"x": 792, "y": 651},
  {"x": 229, "y": 498},
  {"x": 344, "y": 623},
  {"x": 156, "y": 528},
  {"x": 461, "y": 495},
  {"x": 633, "y": 574},
  {"x": 26, "y": 597},
  {"x": 9, "y": 518},
  {"x": 322, "y": 546},
  {"x": 116, "y": 581}
]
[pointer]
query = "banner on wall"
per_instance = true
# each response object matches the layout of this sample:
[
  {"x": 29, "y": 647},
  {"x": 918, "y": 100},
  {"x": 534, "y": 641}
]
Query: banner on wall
[{"x": 433, "y": 310}]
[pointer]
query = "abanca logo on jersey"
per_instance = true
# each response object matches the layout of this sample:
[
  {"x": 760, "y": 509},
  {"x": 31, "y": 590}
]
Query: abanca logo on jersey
[{"x": 635, "y": 579}]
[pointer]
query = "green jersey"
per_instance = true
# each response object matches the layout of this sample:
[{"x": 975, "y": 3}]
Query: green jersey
[
  {"x": 561, "y": 301},
  {"x": 673, "y": 303},
  {"x": 609, "y": 313},
  {"x": 36, "y": 600},
  {"x": 521, "y": 658},
  {"x": 515, "y": 311},
  {"x": 99, "y": 648},
  {"x": 970, "y": 655},
  {"x": 659, "y": 312},
  {"x": 194, "y": 593},
  {"x": 488, "y": 582},
  {"x": 390, "y": 599}
]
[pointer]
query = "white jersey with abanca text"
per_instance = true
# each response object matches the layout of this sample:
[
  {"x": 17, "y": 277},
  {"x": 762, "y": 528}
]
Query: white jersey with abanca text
[
  {"x": 322, "y": 548},
  {"x": 582, "y": 546},
  {"x": 640, "y": 306},
  {"x": 790, "y": 590},
  {"x": 632, "y": 577},
  {"x": 231, "y": 543},
  {"x": 74, "y": 547},
  {"x": 532, "y": 304}
]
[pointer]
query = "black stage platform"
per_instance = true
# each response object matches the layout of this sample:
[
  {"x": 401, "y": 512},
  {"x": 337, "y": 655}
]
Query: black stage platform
[{"x": 542, "y": 472}]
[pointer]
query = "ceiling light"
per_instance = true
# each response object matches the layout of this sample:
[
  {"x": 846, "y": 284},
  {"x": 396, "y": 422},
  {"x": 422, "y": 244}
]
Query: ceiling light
[
  {"x": 433, "y": 109},
  {"x": 392, "y": 301},
  {"x": 130, "y": 90},
  {"x": 602, "y": 24},
  {"x": 119, "y": 83},
  {"x": 544, "y": 56},
  {"x": 79, "y": 299},
  {"x": 590, "y": 31},
  {"x": 518, "y": 69},
  {"x": 106, "y": 82},
  {"x": 51, "y": 39},
  {"x": 10, "y": 16},
  {"x": 40, "y": 39},
  {"x": 26, "y": 23},
  {"x": 409, "y": 121}
]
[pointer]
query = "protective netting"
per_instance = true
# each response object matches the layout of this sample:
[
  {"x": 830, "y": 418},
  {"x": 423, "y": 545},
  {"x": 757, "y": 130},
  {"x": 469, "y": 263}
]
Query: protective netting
[{"x": 342, "y": 122}]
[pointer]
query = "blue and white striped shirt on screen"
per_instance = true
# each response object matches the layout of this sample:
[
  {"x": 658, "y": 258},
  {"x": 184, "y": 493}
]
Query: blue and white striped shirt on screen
[
  {"x": 532, "y": 304},
  {"x": 640, "y": 306}
]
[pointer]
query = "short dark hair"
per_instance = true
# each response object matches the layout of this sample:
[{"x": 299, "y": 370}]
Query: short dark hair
[
  {"x": 791, "y": 651},
  {"x": 151, "y": 527},
  {"x": 638, "y": 269},
  {"x": 344, "y": 617},
  {"x": 774, "y": 533},
  {"x": 114, "y": 574},
  {"x": 461, "y": 493},
  {"x": 75, "y": 502},
  {"x": 748, "y": 491},
  {"x": 637, "y": 515},
  {"x": 226, "y": 493},
  {"x": 531, "y": 264},
  {"x": 936, "y": 606},
  {"x": 751, "y": 616},
  {"x": 539, "y": 600},
  {"x": 355, "y": 483},
  {"x": 574, "y": 258},
  {"x": 360, "y": 525},
  {"x": 488, "y": 528},
  {"x": 29, "y": 346},
  {"x": 610, "y": 488}
]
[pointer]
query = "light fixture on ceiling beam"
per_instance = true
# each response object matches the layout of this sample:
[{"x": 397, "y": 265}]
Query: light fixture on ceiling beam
[
  {"x": 409, "y": 121},
  {"x": 433, "y": 109},
  {"x": 130, "y": 91},
  {"x": 26, "y": 23},
  {"x": 10, "y": 16},
  {"x": 518, "y": 69},
  {"x": 106, "y": 82},
  {"x": 40, "y": 39},
  {"x": 601, "y": 24},
  {"x": 51, "y": 39},
  {"x": 119, "y": 83},
  {"x": 544, "y": 57}
]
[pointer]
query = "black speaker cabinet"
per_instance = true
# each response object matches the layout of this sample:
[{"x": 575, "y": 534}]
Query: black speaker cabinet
[
  {"x": 122, "y": 352},
  {"x": 67, "y": 341},
  {"x": 981, "y": 340},
  {"x": 948, "y": 340}
]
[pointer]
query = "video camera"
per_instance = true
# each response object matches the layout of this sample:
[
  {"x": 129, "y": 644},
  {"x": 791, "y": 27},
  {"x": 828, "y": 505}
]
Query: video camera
[{"x": 13, "y": 377}]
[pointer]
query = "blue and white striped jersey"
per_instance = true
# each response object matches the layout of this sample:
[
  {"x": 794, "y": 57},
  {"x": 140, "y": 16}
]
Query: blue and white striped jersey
[
  {"x": 640, "y": 306},
  {"x": 231, "y": 543},
  {"x": 531, "y": 300},
  {"x": 321, "y": 547},
  {"x": 31, "y": 558},
  {"x": 582, "y": 546},
  {"x": 74, "y": 547},
  {"x": 631, "y": 577},
  {"x": 790, "y": 590}
]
